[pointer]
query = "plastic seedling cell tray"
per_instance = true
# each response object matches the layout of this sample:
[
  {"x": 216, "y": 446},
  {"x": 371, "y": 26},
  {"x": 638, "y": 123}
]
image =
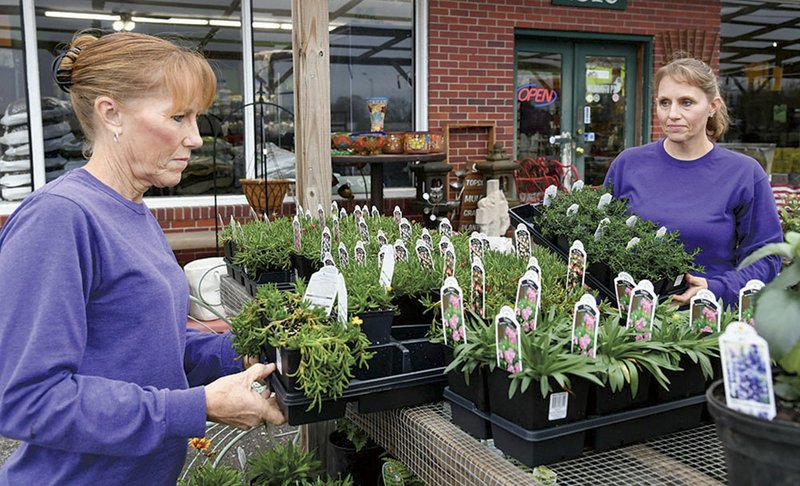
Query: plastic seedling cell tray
[
  {"x": 603, "y": 401},
  {"x": 411, "y": 331},
  {"x": 537, "y": 447},
  {"x": 686, "y": 383},
  {"x": 295, "y": 406},
  {"x": 377, "y": 325},
  {"x": 467, "y": 416},
  {"x": 476, "y": 391}
]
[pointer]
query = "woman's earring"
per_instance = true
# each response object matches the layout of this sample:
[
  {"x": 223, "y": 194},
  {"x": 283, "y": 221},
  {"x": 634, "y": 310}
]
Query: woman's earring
[{"x": 116, "y": 137}]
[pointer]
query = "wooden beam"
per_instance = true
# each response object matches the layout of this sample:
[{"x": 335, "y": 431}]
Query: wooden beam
[{"x": 312, "y": 102}]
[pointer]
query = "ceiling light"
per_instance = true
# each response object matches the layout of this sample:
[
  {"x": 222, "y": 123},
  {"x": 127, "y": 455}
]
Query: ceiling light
[
  {"x": 171, "y": 20},
  {"x": 286, "y": 26},
  {"x": 80, "y": 15},
  {"x": 224, "y": 23},
  {"x": 266, "y": 25}
]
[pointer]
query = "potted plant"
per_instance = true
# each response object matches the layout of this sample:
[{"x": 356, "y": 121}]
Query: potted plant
[
  {"x": 759, "y": 451},
  {"x": 369, "y": 301},
  {"x": 207, "y": 475},
  {"x": 284, "y": 464},
  {"x": 352, "y": 453},
  {"x": 264, "y": 252}
]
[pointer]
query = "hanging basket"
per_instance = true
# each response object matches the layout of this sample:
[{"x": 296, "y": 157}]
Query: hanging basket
[{"x": 265, "y": 195}]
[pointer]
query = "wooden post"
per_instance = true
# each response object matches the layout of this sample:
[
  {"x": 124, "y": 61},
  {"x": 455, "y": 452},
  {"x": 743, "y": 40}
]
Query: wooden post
[{"x": 312, "y": 102}]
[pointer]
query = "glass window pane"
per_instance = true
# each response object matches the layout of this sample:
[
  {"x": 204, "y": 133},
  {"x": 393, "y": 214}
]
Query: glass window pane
[
  {"x": 16, "y": 175},
  {"x": 538, "y": 101}
]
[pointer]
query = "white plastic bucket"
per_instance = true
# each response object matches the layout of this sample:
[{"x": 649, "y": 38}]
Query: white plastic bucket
[{"x": 204, "y": 277}]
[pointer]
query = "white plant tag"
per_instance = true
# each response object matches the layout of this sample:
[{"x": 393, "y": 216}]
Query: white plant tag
[
  {"x": 444, "y": 241},
  {"x": 426, "y": 237},
  {"x": 375, "y": 213},
  {"x": 445, "y": 228},
  {"x": 296, "y": 232},
  {"x": 405, "y": 229},
  {"x": 387, "y": 266},
  {"x": 424, "y": 254},
  {"x": 604, "y": 201},
  {"x": 381, "y": 237},
  {"x": 449, "y": 261},
  {"x": 522, "y": 241},
  {"x": 631, "y": 222},
  {"x": 601, "y": 228},
  {"x": 747, "y": 371},
  {"x": 549, "y": 195},
  {"x": 508, "y": 342},
  {"x": 478, "y": 287},
  {"x": 585, "y": 324},
  {"x": 300, "y": 212},
  {"x": 308, "y": 214},
  {"x": 533, "y": 266},
  {"x": 363, "y": 230},
  {"x": 398, "y": 215},
  {"x": 360, "y": 254},
  {"x": 746, "y": 300},
  {"x": 335, "y": 223},
  {"x": 321, "y": 215},
  {"x": 343, "y": 214},
  {"x": 632, "y": 243},
  {"x": 704, "y": 311},
  {"x": 358, "y": 213},
  {"x": 528, "y": 301},
  {"x": 485, "y": 242},
  {"x": 344, "y": 257},
  {"x": 452, "y": 302},
  {"x": 327, "y": 260},
  {"x": 334, "y": 208},
  {"x": 623, "y": 288},
  {"x": 325, "y": 243},
  {"x": 572, "y": 211},
  {"x": 576, "y": 265},
  {"x": 660, "y": 233},
  {"x": 341, "y": 301},
  {"x": 577, "y": 186},
  {"x": 400, "y": 250},
  {"x": 558, "y": 406},
  {"x": 642, "y": 310},
  {"x": 475, "y": 245},
  {"x": 322, "y": 287}
]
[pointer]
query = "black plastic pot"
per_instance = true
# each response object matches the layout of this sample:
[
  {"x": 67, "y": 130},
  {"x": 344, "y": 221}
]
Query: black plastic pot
[
  {"x": 363, "y": 466},
  {"x": 229, "y": 248},
  {"x": 685, "y": 383},
  {"x": 304, "y": 267},
  {"x": 284, "y": 282},
  {"x": 537, "y": 447},
  {"x": 466, "y": 415},
  {"x": 604, "y": 401},
  {"x": 757, "y": 451},
  {"x": 377, "y": 325},
  {"x": 410, "y": 310},
  {"x": 474, "y": 387},
  {"x": 529, "y": 410}
]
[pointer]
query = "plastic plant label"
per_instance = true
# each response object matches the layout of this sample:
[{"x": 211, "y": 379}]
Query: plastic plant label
[
  {"x": 398, "y": 215},
  {"x": 485, "y": 242},
  {"x": 601, "y": 228},
  {"x": 747, "y": 371},
  {"x": 360, "y": 254},
  {"x": 631, "y": 222},
  {"x": 528, "y": 301},
  {"x": 549, "y": 195},
  {"x": 642, "y": 310},
  {"x": 387, "y": 266},
  {"x": 522, "y": 239},
  {"x": 576, "y": 265},
  {"x": 545, "y": 476},
  {"x": 308, "y": 215},
  {"x": 363, "y": 230},
  {"x": 325, "y": 243},
  {"x": 336, "y": 234},
  {"x": 475, "y": 246},
  {"x": 477, "y": 294},
  {"x": 278, "y": 362},
  {"x": 342, "y": 214},
  {"x": 446, "y": 228},
  {"x": 444, "y": 241},
  {"x": 322, "y": 287},
  {"x": 296, "y": 233},
  {"x": 572, "y": 211},
  {"x": 344, "y": 258},
  {"x": 623, "y": 288},
  {"x": 558, "y": 406},
  {"x": 426, "y": 237},
  {"x": 391, "y": 476},
  {"x": 381, "y": 237},
  {"x": 381, "y": 254},
  {"x": 327, "y": 260},
  {"x": 300, "y": 212},
  {"x": 605, "y": 200},
  {"x": 405, "y": 229},
  {"x": 577, "y": 186},
  {"x": 424, "y": 254},
  {"x": 358, "y": 213},
  {"x": 704, "y": 311},
  {"x": 746, "y": 300},
  {"x": 631, "y": 245},
  {"x": 449, "y": 261},
  {"x": 321, "y": 215},
  {"x": 334, "y": 208},
  {"x": 508, "y": 344},
  {"x": 585, "y": 324},
  {"x": 400, "y": 250},
  {"x": 660, "y": 233},
  {"x": 375, "y": 213},
  {"x": 452, "y": 302},
  {"x": 533, "y": 266},
  {"x": 341, "y": 301}
]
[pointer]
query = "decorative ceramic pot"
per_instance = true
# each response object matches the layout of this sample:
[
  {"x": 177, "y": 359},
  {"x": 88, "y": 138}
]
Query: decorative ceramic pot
[
  {"x": 341, "y": 141},
  {"x": 435, "y": 142},
  {"x": 369, "y": 143},
  {"x": 377, "y": 112},
  {"x": 416, "y": 143},
  {"x": 393, "y": 143}
]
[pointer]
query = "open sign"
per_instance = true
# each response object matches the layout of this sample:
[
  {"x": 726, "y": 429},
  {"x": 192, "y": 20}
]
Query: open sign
[{"x": 537, "y": 95}]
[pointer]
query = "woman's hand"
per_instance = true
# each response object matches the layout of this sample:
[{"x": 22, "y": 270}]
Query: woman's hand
[
  {"x": 695, "y": 284},
  {"x": 231, "y": 400}
]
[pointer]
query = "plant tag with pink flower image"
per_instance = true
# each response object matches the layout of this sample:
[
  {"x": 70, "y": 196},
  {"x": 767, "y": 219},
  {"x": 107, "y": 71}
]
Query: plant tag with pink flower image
[
  {"x": 387, "y": 266},
  {"x": 485, "y": 242},
  {"x": 585, "y": 320},
  {"x": 549, "y": 194},
  {"x": 449, "y": 261},
  {"x": 642, "y": 310},
  {"x": 533, "y": 266},
  {"x": 704, "y": 311},
  {"x": 400, "y": 250},
  {"x": 452, "y": 302},
  {"x": 528, "y": 300},
  {"x": 341, "y": 301},
  {"x": 747, "y": 296},
  {"x": 325, "y": 243},
  {"x": 358, "y": 213},
  {"x": 375, "y": 213},
  {"x": 478, "y": 287},
  {"x": 335, "y": 224},
  {"x": 344, "y": 258},
  {"x": 342, "y": 214},
  {"x": 426, "y": 237},
  {"x": 424, "y": 254},
  {"x": 360, "y": 254},
  {"x": 747, "y": 371},
  {"x": 322, "y": 288},
  {"x": 296, "y": 232},
  {"x": 381, "y": 237},
  {"x": 446, "y": 228},
  {"x": 508, "y": 343},
  {"x": 623, "y": 287},
  {"x": 444, "y": 241},
  {"x": 321, "y": 215},
  {"x": 576, "y": 265},
  {"x": 398, "y": 215},
  {"x": 405, "y": 229},
  {"x": 522, "y": 241},
  {"x": 475, "y": 245},
  {"x": 363, "y": 230},
  {"x": 300, "y": 212}
]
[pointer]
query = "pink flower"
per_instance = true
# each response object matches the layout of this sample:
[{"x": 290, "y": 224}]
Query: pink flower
[
  {"x": 709, "y": 314},
  {"x": 526, "y": 313},
  {"x": 592, "y": 353},
  {"x": 628, "y": 291},
  {"x": 584, "y": 341},
  {"x": 527, "y": 327},
  {"x": 638, "y": 337},
  {"x": 454, "y": 302},
  {"x": 456, "y": 336},
  {"x": 647, "y": 305},
  {"x": 640, "y": 323},
  {"x": 509, "y": 355},
  {"x": 518, "y": 367},
  {"x": 499, "y": 353},
  {"x": 510, "y": 369},
  {"x": 454, "y": 321},
  {"x": 646, "y": 335},
  {"x": 574, "y": 339},
  {"x": 707, "y": 329},
  {"x": 511, "y": 334},
  {"x": 589, "y": 320},
  {"x": 531, "y": 294}
]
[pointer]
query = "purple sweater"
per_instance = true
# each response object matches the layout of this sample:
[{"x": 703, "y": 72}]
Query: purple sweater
[
  {"x": 721, "y": 203},
  {"x": 96, "y": 361}
]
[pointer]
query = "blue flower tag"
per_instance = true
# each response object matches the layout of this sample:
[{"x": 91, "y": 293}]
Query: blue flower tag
[{"x": 747, "y": 371}]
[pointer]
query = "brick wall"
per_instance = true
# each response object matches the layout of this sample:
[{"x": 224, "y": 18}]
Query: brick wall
[{"x": 471, "y": 55}]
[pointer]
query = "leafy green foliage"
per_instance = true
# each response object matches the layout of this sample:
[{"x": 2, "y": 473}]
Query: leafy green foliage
[
  {"x": 206, "y": 475},
  {"x": 400, "y": 474},
  {"x": 264, "y": 246},
  {"x": 352, "y": 432},
  {"x": 283, "y": 465},
  {"x": 790, "y": 214}
]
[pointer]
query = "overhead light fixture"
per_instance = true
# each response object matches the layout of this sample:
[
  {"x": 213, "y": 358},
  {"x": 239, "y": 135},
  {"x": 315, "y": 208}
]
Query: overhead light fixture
[
  {"x": 80, "y": 15},
  {"x": 266, "y": 25},
  {"x": 124, "y": 23},
  {"x": 224, "y": 23},
  {"x": 171, "y": 20}
]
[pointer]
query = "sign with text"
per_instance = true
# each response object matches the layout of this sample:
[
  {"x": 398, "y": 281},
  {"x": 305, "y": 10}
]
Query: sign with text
[{"x": 615, "y": 4}]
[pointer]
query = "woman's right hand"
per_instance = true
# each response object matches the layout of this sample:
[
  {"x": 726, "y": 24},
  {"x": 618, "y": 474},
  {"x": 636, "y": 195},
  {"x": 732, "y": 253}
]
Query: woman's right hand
[{"x": 231, "y": 400}]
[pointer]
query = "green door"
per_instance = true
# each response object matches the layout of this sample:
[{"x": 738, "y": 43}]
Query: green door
[{"x": 585, "y": 90}]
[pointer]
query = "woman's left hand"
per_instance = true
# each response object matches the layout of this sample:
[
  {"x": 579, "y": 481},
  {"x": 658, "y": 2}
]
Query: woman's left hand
[{"x": 695, "y": 284}]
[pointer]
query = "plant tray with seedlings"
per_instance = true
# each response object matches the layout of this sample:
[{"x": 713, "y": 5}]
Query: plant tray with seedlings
[
  {"x": 599, "y": 275},
  {"x": 400, "y": 374}
]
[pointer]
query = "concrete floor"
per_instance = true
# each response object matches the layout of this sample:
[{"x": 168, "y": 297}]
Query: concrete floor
[{"x": 7, "y": 447}]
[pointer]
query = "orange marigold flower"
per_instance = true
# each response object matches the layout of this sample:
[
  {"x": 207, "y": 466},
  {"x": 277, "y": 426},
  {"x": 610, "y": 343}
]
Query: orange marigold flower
[{"x": 200, "y": 443}]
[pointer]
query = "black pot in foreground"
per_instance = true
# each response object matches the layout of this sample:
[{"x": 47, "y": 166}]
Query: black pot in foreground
[
  {"x": 364, "y": 466},
  {"x": 757, "y": 451}
]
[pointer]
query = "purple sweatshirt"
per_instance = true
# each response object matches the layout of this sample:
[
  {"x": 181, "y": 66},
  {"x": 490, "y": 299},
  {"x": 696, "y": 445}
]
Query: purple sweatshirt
[
  {"x": 721, "y": 203},
  {"x": 96, "y": 361}
]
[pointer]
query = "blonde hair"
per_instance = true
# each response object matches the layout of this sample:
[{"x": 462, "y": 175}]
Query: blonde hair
[
  {"x": 126, "y": 66},
  {"x": 697, "y": 73}
]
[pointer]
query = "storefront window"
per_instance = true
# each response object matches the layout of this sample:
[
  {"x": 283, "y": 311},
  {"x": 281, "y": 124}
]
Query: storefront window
[
  {"x": 371, "y": 53},
  {"x": 213, "y": 28},
  {"x": 16, "y": 171}
]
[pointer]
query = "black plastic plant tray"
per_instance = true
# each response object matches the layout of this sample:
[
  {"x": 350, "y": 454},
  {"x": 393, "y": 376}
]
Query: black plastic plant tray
[
  {"x": 252, "y": 285},
  {"x": 377, "y": 325},
  {"x": 603, "y": 401},
  {"x": 410, "y": 331},
  {"x": 619, "y": 429},
  {"x": 537, "y": 447},
  {"x": 688, "y": 382},
  {"x": 476, "y": 391},
  {"x": 294, "y": 406},
  {"x": 467, "y": 416}
]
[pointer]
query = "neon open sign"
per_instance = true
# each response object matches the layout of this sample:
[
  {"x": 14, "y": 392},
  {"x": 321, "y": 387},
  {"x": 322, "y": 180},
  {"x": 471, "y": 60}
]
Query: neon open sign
[{"x": 537, "y": 95}]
